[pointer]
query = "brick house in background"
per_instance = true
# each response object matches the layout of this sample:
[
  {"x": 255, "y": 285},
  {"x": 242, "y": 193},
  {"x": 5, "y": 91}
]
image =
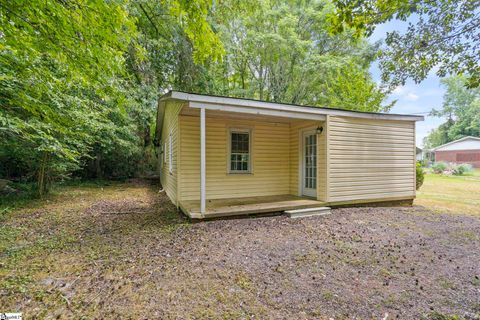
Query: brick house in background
[{"x": 465, "y": 150}]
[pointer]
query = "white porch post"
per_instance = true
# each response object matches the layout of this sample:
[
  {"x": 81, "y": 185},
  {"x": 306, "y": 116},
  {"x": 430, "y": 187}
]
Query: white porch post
[{"x": 202, "y": 162}]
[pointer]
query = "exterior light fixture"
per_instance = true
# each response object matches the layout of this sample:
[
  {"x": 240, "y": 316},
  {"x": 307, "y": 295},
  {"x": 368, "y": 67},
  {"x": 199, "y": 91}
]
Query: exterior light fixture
[{"x": 319, "y": 130}]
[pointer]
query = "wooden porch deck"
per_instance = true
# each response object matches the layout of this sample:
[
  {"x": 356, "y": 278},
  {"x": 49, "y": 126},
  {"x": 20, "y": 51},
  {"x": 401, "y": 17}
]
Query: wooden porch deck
[{"x": 245, "y": 206}]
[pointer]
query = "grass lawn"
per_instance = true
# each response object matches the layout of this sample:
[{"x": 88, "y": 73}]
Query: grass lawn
[
  {"x": 121, "y": 250},
  {"x": 456, "y": 194}
]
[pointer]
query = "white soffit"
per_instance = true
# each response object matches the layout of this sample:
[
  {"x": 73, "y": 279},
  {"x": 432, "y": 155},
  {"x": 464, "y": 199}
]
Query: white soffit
[
  {"x": 277, "y": 109},
  {"x": 255, "y": 110}
]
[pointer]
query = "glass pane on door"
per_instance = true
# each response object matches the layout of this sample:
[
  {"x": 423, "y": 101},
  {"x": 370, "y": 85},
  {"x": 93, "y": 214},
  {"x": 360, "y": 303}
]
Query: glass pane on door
[{"x": 310, "y": 161}]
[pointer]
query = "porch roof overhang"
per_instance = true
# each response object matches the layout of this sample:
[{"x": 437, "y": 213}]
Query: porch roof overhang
[
  {"x": 250, "y": 106},
  {"x": 255, "y": 111}
]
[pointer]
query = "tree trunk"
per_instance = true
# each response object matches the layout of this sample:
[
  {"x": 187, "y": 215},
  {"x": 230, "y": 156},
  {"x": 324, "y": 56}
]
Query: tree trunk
[
  {"x": 98, "y": 167},
  {"x": 146, "y": 135},
  {"x": 41, "y": 176}
]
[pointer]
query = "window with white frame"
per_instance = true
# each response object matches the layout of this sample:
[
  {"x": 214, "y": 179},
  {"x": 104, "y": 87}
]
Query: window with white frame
[
  {"x": 240, "y": 155},
  {"x": 170, "y": 165}
]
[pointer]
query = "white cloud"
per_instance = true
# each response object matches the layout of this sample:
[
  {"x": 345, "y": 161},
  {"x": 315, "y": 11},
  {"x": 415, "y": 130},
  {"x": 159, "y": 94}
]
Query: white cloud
[
  {"x": 405, "y": 93},
  {"x": 411, "y": 96}
]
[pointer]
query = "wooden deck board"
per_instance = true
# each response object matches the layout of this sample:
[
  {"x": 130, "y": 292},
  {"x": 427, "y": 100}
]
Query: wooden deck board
[{"x": 249, "y": 205}]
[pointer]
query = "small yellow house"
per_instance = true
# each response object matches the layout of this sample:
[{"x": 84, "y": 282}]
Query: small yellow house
[{"x": 227, "y": 156}]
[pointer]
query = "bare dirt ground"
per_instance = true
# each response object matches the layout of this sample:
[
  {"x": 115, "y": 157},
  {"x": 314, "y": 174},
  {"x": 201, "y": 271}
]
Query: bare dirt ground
[{"x": 122, "y": 251}]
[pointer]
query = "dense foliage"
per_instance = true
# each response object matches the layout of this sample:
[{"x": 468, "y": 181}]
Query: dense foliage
[
  {"x": 62, "y": 84},
  {"x": 68, "y": 100},
  {"x": 420, "y": 175},
  {"x": 282, "y": 51},
  {"x": 443, "y": 34},
  {"x": 461, "y": 108},
  {"x": 79, "y": 79}
]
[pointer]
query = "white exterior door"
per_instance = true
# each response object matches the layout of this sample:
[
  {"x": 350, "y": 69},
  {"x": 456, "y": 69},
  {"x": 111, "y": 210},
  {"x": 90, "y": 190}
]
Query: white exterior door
[{"x": 309, "y": 164}]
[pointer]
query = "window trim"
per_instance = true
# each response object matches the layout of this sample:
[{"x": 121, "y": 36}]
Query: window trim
[
  {"x": 301, "y": 133},
  {"x": 229, "y": 153}
]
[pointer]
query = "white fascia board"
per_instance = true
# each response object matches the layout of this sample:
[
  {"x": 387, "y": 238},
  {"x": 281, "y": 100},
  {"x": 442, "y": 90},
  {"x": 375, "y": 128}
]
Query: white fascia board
[
  {"x": 258, "y": 111},
  {"x": 225, "y": 101}
]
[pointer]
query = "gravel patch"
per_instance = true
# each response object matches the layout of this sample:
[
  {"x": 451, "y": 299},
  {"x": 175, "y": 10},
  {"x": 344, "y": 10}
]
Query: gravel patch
[{"x": 357, "y": 263}]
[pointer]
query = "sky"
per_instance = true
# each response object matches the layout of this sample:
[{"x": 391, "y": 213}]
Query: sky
[{"x": 412, "y": 98}]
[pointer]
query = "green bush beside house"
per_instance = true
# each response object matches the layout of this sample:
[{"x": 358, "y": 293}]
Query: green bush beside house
[{"x": 420, "y": 175}]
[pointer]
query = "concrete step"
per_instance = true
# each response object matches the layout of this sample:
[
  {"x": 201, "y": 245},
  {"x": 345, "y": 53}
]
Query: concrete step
[{"x": 309, "y": 212}]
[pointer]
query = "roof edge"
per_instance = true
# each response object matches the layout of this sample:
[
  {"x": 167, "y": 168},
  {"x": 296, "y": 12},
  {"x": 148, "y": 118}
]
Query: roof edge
[
  {"x": 244, "y": 102},
  {"x": 455, "y": 141}
]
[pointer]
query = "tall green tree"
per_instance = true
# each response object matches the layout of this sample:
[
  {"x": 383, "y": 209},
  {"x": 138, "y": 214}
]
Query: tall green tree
[
  {"x": 61, "y": 66},
  {"x": 175, "y": 39},
  {"x": 461, "y": 107},
  {"x": 443, "y": 34},
  {"x": 68, "y": 100},
  {"x": 282, "y": 51}
]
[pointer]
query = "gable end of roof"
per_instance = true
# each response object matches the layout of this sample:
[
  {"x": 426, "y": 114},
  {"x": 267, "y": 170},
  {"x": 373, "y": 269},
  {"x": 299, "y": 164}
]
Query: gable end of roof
[{"x": 456, "y": 141}]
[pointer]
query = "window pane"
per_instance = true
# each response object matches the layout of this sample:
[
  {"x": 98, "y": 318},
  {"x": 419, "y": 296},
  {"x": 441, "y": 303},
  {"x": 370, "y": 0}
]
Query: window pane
[
  {"x": 310, "y": 161},
  {"x": 239, "y": 142},
  {"x": 240, "y": 149},
  {"x": 234, "y": 145}
]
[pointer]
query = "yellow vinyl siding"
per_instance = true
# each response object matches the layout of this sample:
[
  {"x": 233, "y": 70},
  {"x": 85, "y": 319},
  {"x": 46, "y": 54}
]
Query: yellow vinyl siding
[
  {"x": 170, "y": 126},
  {"x": 270, "y": 160},
  {"x": 370, "y": 159},
  {"x": 357, "y": 159}
]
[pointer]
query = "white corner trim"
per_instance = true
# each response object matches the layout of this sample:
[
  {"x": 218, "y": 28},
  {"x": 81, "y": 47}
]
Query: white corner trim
[{"x": 202, "y": 162}]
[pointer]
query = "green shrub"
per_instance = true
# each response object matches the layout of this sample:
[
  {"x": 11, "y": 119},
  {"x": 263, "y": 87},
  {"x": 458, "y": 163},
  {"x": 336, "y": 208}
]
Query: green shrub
[
  {"x": 456, "y": 170},
  {"x": 462, "y": 168},
  {"x": 451, "y": 168},
  {"x": 424, "y": 163},
  {"x": 419, "y": 174},
  {"x": 439, "y": 167}
]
